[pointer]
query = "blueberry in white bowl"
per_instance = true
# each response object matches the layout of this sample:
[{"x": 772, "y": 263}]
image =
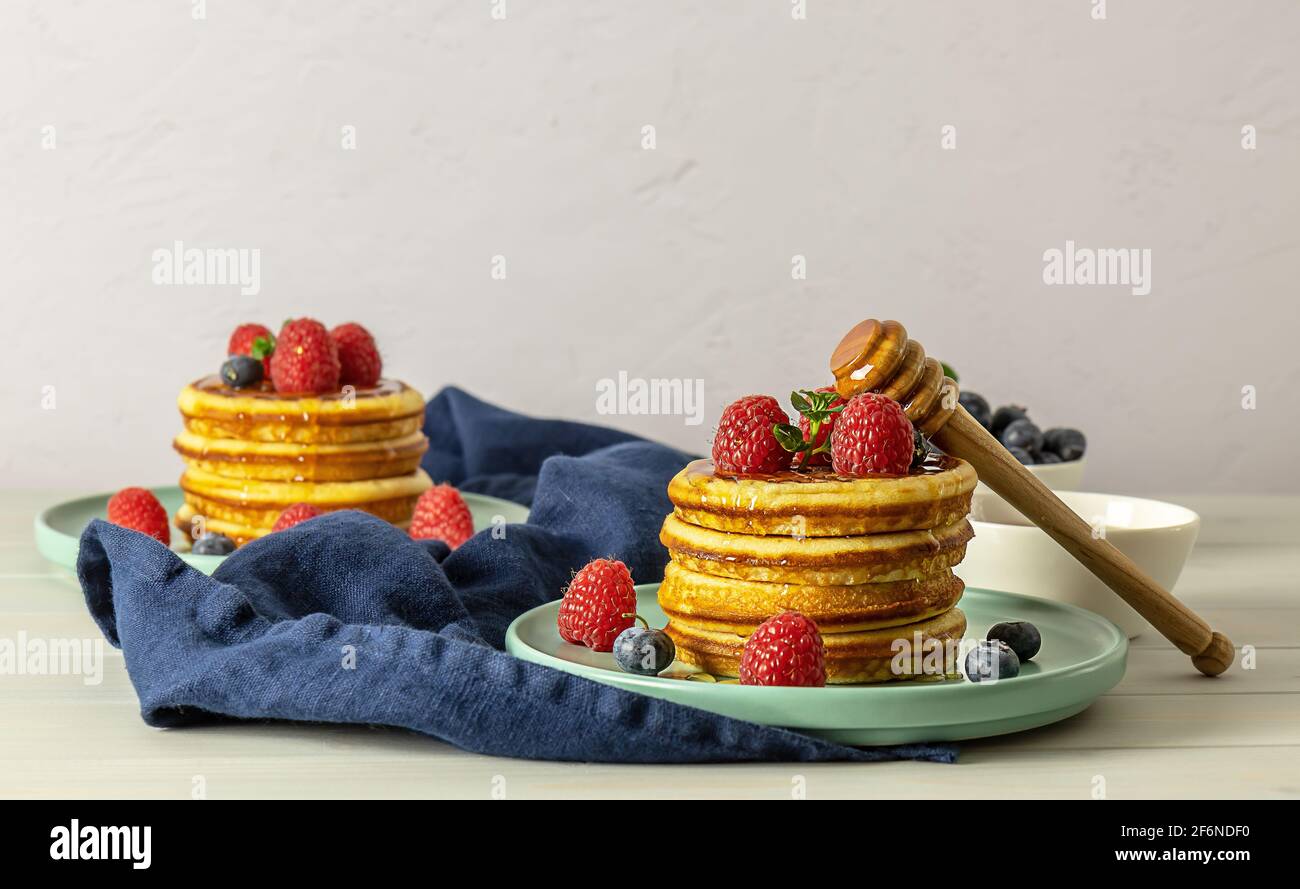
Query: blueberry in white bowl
[
  {"x": 1023, "y": 434},
  {"x": 1011, "y": 426},
  {"x": 977, "y": 407},
  {"x": 1022, "y": 455},
  {"x": 1005, "y": 416},
  {"x": 1068, "y": 444}
]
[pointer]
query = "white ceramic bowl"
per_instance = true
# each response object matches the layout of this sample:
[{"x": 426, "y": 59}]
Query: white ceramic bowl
[
  {"x": 1013, "y": 555},
  {"x": 1057, "y": 476},
  {"x": 1060, "y": 476}
]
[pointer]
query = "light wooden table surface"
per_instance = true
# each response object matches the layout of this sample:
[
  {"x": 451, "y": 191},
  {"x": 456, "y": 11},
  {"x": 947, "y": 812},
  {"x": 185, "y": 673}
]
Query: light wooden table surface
[{"x": 1164, "y": 731}]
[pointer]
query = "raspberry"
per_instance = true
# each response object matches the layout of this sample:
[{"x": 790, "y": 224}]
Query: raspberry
[
  {"x": 441, "y": 514},
  {"x": 294, "y": 515},
  {"x": 359, "y": 361},
  {"x": 827, "y": 426},
  {"x": 592, "y": 611},
  {"x": 745, "y": 442},
  {"x": 244, "y": 341},
  {"x": 785, "y": 650},
  {"x": 306, "y": 359},
  {"x": 139, "y": 510},
  {"x": 872, "y": 436}
]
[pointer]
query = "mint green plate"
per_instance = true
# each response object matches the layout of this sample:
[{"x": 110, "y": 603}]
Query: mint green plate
[
  {"x": 58, "y": 528},
  {"x": 1083, "y": 656}
]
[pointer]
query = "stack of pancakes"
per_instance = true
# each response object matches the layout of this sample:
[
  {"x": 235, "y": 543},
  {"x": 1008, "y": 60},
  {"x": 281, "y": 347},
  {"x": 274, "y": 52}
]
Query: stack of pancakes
[
  {"x": 869, "y": 559},
  {"x": 249, "y": 453}
]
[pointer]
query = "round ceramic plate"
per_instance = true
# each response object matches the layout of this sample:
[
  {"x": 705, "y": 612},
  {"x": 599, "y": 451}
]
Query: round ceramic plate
[
  {"x": 58, "y": 528},
  {"x": 1083, "y": 656}
]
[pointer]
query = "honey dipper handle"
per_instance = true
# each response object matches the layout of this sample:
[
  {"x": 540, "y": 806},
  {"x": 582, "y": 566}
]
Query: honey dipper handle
[{"x": 963, "y": 436}]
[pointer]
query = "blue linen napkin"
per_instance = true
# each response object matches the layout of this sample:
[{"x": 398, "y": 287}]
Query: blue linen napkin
[{"x": 346, "y": 619}]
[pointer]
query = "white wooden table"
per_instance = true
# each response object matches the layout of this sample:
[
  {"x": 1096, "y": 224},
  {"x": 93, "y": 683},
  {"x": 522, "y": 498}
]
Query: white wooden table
[{"x": 1164, "y": 731}]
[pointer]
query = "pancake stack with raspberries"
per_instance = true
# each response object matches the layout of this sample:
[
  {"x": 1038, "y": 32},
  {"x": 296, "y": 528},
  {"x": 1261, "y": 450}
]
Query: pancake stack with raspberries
[
  {"x": 302, "y": 417},
  {"x": 846, "y": 519}
]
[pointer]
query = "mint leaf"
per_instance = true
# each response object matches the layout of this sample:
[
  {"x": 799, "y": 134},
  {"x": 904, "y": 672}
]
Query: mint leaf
[
  {"x": 789, "y": 437},
  {"x": 262, "y": 346}
]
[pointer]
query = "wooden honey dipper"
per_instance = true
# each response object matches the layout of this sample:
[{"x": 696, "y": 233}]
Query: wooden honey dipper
[{"x": 877, "y": 356}]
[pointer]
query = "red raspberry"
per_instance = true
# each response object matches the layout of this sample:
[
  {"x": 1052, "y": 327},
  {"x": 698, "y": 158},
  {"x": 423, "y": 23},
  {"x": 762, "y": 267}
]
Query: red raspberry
[
  {"x": 441, "y": 514},
  {"x": 245, "y": 338},
  {"x": 592, "y": 610},
  {"x": 824, "y": 458},
  {"x": 306, "y": 359},
  {"x": 139, "y": 510},
  {"x": 744, "y": 441},
  {"x": 295, "y": 515},
  {"x": 785, "y": 650},
  {"x": 359, "y": 361},
  {"x": 872, "y": 435}
]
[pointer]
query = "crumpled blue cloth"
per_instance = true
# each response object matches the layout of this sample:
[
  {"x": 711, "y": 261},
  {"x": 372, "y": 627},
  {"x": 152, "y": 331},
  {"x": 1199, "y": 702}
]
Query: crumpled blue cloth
[{"x": 345, "y": 619}]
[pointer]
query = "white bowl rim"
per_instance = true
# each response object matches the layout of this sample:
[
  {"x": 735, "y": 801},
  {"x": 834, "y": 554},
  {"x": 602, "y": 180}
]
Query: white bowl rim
[
  {"x": 1082, "y": 459},
  {"x": 1192, "y": 517}
]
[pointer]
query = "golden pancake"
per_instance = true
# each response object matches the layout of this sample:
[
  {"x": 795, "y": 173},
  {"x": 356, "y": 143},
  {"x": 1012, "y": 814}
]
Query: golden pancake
[
  {"x": 252, "y": 505},
  {"x": 816, "y": 561},
  {"x": 387, "y": 411},
  {"x": 927, "y": 649},
  {"x": 728, "y": 605},
  {"x": 396, "y": 510},
  {"x": 277, "y": 495},
  {"x": 304, "y": 433},
  {"x": 237, "y": 530},
  {"x": 240, "y": 533},
  {"x": 820, "y": 503},
  {"x": 290, "y": 461}
]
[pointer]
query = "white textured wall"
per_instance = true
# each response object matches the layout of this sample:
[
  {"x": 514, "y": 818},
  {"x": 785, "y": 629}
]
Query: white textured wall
[{"x": 775, "y": 137}]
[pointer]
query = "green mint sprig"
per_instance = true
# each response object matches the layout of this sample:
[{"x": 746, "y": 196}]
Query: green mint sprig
[
  {"x": 262, "y": 346},
  {"x": 816, "y": 408}
]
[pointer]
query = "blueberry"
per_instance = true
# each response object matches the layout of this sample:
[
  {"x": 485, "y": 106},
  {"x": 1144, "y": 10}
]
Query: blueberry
[
  {"x": 1022, "y": 636},
  {"x": 991, "y": 660},
  {"x": 643, "y": 651},
  {"x": 1046, "y": 457},
  {"x": 1022, "y": 434},
  {"x": 1004, "y": 417},
  {"x": 241, "y": 371},
  {"x": 1022, "y": 455},
  {"x": 213, "y": 544},
  {"x": 977, "y": 407},
  {"x": 920, "y": 448},
  {"x": 1068, "y": 444}
]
